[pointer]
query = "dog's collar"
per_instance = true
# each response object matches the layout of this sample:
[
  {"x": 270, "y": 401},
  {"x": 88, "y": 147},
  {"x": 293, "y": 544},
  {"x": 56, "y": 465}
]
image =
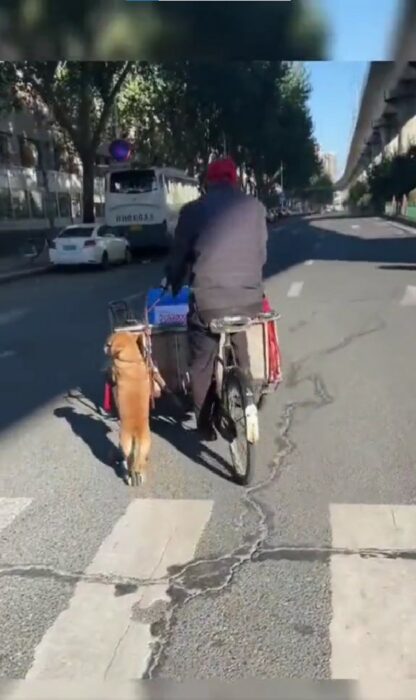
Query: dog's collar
[{"x": 146, "y": 356}]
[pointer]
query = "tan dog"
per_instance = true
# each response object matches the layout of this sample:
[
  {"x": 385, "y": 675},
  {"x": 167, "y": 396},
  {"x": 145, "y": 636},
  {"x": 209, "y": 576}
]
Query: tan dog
[{"x": 133, "y": 384}]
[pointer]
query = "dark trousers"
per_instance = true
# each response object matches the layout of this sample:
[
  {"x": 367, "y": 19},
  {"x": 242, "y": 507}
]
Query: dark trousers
[{"x": 203, "y": 350}]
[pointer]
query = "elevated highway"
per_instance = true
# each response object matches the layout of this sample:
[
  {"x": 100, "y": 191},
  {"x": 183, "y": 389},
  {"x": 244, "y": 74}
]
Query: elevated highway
[{"x": 387, "y": 117}]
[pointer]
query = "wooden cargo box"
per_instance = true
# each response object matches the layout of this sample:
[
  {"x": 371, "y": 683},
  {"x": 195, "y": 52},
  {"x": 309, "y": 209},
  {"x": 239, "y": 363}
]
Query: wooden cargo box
[
  {"x": 170, "y": 354},
  {"x": 258, "y": 352}
]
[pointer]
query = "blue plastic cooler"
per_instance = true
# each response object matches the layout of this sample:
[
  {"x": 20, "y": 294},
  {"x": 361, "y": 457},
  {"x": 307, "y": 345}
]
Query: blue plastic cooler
[{"x": 170, "y": 310}]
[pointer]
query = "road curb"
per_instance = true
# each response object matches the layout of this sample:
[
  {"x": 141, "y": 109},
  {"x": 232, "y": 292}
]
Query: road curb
[
  {"x": 401, "y": 221},
  {"x": 21, "y": 274}
]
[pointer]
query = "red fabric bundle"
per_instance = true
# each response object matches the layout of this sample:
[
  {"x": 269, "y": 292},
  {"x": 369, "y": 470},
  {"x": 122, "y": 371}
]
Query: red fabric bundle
[
  {"x": 275, "y": 367},
  {"x": 107, "y": 403}
]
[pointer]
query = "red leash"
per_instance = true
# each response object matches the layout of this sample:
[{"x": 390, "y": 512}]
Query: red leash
[
  {"x": 108, "y": 401},
  {"x": 275, "y": 366}
]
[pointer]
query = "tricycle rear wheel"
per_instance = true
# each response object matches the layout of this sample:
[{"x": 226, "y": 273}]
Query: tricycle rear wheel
[{"x": 238, "y": 401}]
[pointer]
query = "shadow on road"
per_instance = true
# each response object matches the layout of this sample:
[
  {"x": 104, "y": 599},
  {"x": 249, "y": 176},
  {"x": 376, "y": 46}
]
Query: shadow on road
[
  {"x": 94, "y": 433},
  {"x": 168, "y": 422},
  {"x": 292, "y": 245},
  {"x": 58, "y": 344},
  {"x": 398, "y": 267},
  {"x": 331, "y": 216}
]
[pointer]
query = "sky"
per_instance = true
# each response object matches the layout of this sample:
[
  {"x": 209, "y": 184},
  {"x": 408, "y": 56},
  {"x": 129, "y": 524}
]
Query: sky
[
  {"x": 362, "y": 30},
  {"x": 334, "y": 103}
]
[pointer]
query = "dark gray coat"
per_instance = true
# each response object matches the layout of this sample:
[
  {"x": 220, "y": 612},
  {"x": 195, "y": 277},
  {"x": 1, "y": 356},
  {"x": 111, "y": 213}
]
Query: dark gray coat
[{"x": 220, "y": 249}]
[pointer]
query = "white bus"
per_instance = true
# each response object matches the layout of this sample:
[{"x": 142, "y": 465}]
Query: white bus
[{"x": 143, "y": 204}]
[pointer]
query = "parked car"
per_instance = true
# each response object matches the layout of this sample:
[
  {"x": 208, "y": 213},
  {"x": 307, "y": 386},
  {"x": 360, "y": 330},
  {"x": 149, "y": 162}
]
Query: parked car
[{"x": 89, "y": 244}]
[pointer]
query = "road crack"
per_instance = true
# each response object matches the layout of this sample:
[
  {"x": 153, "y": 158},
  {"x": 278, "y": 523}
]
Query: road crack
[
  {"x": 212, "y": 576},
  {"x": 202, "y": 577}
]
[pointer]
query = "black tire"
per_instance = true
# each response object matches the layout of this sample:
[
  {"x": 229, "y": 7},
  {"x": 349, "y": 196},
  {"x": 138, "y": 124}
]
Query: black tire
[
  {"x": 105, "y": 263},
  {"x": 237, "y": 395},
  {"x": 261, "y": 400}
]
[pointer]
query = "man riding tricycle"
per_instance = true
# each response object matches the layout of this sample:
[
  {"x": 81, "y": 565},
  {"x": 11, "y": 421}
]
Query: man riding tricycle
[{"x": 219, "y": 341}]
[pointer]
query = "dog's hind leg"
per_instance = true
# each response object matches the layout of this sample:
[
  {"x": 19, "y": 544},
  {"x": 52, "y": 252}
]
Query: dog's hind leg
[
  {"x": 126, "y": 447},
  {"x": 141, "y": 453}
]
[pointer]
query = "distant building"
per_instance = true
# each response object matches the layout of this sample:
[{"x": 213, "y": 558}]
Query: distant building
[
  {"x": 329, "y": 162},
  {"x": 339, "y": 198},
  {"x": 40, "y": 181}
]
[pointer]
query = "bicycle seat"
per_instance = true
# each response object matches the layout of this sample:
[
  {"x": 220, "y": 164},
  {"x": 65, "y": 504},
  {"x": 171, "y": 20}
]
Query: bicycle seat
[
  {"x": 230, "y": 324},
  {"x": 268, "y": 316}
]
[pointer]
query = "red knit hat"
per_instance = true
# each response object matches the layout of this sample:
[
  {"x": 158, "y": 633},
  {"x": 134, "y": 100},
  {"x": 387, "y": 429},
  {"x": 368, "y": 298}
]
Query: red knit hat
[{"x": 222, "y": 170}]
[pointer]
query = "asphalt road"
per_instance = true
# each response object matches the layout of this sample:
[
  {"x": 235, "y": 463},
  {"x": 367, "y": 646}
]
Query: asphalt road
[{"x": 309, "y": 574}]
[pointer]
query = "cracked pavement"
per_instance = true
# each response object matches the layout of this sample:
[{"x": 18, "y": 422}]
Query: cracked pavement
[{"x": 257, "y": 598}]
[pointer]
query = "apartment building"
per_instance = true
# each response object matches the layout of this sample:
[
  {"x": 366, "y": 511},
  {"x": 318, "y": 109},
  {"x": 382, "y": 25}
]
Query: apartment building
[{"x": 40, "y": 180}]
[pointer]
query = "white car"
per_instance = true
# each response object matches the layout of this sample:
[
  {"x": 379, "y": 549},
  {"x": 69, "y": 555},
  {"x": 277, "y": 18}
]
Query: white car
[{"x": 89, "y": 244}]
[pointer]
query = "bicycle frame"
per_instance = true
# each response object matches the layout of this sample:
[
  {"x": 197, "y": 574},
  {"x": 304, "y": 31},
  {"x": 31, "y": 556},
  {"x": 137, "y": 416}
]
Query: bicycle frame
[
  {"x": 222, "y": 363},
  {"x": 226, "y": 328}
]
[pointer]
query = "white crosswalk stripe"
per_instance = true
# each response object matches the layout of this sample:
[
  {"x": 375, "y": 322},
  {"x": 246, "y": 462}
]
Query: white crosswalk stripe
[
  {"x": 409, "y": 298},
  {"x": 295, "y": 289},
  {"x": 10, "y": 508},
  {"x": 97, "y": 636},
  {"x": 373, "y": 629},
  {"x": 103, "y": 636}
]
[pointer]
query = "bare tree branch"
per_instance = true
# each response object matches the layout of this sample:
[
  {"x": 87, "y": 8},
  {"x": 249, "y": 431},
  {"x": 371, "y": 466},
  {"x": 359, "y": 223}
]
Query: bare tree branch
[
  {"x": 109, "y": 103},
  {"x": 44, "y": 88}
]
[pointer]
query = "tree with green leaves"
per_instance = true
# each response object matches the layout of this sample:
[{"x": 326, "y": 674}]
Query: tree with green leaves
[
  {"x": 79, "y": 96},
  {"x": 180, "y": 113},
  {"x": 393, "y": 176},
  {"x": 357, "y": 191},
  {"x": 254, "y": 110},
  {"x": 261, "y": 117},
  {"x": 168, "y": 109},
  {"x": 320, "y": 191},
  {"x": 298, "y": 148},
  {"x": 380, "y": 182},
  {"x": 403, "y": 172}
]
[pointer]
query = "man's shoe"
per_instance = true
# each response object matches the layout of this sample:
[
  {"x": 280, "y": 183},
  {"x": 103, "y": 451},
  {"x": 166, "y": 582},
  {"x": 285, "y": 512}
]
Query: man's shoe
[
  {"x": 225, "y": 426},
  {"x": 205, "y": 428},
  {"x": 207, "y": 434}
]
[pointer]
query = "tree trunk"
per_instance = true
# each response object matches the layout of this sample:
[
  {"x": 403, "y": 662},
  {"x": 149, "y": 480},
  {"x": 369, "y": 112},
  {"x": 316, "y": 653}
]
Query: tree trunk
[
  {"x": 261, "y": 187},
  {"x": 88, "y": 187}
]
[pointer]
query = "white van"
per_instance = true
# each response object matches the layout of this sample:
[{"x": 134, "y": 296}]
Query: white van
[{"x": 143, "y": 204}]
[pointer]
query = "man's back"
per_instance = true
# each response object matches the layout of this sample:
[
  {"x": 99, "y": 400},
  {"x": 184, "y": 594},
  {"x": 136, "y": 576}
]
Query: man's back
[
  {"x": 229, "y": 250},
  {"x": 222, "y": 239}
]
